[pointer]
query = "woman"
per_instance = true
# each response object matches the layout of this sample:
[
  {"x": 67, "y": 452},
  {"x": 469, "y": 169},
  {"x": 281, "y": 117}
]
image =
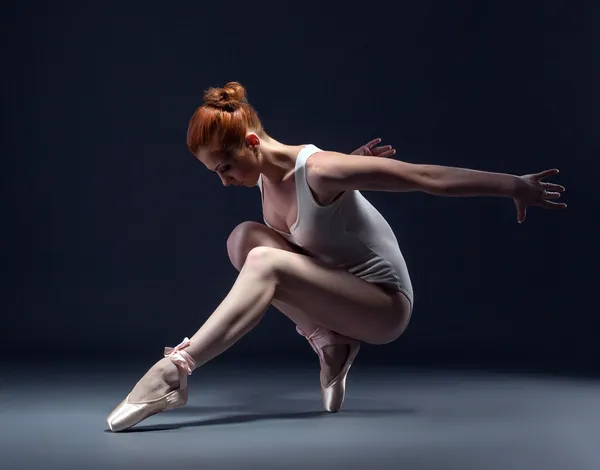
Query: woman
[{"x": 325, "y": 257}]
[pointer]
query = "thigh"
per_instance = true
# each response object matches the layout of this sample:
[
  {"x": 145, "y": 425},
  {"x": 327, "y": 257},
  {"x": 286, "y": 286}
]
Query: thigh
[{"x": 341, "y": 301}]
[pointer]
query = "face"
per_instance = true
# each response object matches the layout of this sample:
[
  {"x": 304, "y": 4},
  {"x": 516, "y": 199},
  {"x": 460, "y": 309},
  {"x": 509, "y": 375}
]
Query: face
[{"x": 239, "y": 167}]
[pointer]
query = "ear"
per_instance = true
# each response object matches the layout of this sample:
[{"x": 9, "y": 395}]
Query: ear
[{"x": 252, "y": 139}]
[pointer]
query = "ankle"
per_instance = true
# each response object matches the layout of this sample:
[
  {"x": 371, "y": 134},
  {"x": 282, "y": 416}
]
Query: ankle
[
  {"x": 321, "y": 334},
  {"x": 168, "y": 371}
]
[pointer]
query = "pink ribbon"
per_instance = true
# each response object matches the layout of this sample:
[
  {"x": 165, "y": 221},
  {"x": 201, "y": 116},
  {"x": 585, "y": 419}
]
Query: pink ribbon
[
  {"x": 317, "y": 340},
  {"x": 180, "y": 357}
]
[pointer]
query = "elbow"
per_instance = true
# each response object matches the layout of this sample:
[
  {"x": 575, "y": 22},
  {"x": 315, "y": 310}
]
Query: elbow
[
  {"x": 433, "y": 184},
  {"x": 439, "y": 188}
]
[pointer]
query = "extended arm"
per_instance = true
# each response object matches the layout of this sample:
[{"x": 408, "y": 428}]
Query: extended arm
[{"x": 334, "y": 173}]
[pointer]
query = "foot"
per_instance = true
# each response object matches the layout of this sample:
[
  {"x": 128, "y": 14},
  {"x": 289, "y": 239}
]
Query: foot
[
  {"x": 335, "y": 356},
  {"x": 162, "y": 378}
]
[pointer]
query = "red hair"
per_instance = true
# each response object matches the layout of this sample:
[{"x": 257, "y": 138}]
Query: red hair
[{"x": 224, "y": 119}]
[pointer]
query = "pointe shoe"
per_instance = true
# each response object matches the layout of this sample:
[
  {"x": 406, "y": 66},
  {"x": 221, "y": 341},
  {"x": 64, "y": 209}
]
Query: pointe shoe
[
  {"x": 332, "y": 393},
  {"x": 128, "y": 414}
]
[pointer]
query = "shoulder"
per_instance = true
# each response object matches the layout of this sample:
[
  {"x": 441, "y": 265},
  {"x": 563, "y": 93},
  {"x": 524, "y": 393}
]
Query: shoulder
[
  {"x": 334, "y": 172},
  {"x": 319, "y": 163},
  {"x": 320, "y": 170}
]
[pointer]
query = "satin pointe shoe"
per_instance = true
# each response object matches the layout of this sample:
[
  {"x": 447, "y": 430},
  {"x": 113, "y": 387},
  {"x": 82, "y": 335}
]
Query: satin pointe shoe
[
  {"x": 333, "y": 393},
  {"x": 128, "y": 414}
]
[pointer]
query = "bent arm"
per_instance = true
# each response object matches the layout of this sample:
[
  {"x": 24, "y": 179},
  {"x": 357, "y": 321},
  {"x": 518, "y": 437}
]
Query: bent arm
[{"x": 338, "y": 172}]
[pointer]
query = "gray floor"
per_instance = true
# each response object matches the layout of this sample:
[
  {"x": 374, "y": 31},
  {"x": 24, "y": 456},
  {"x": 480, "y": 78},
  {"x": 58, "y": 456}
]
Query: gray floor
[{"x": 271, "y": 419}]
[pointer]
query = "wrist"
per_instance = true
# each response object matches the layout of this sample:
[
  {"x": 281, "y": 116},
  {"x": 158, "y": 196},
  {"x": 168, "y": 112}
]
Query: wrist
[{"x": 515, "y": 183}]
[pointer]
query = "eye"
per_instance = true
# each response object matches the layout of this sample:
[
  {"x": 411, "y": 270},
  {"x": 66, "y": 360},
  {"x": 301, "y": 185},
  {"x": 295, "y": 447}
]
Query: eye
[{"x": 224, "y": 168}]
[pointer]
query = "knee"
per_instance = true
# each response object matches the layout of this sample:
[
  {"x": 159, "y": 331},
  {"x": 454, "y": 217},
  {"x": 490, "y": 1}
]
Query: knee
[
  {"x": 264, "y": 261},
  {"x": 240, "y": 241}
]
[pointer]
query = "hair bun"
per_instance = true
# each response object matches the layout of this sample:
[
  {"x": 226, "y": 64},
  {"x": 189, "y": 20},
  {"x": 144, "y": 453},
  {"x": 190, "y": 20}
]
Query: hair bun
[{"x": 228, "y": 98}]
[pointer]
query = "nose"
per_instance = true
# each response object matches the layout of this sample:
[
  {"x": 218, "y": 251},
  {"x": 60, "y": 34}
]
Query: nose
[{"x": 227, "y": 181}]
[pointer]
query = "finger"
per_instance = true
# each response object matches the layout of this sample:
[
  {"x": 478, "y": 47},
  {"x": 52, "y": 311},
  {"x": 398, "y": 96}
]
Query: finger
[
  {"x": 386, "y": 154},
  {"x": 553, "y": 187},
  {"x": 521, "y": 213},
  {"x": 547, "y": 173},
  {"x": 381, "y": 148},
  {"x": 384, "y": 151},
  {"x": 373, "y": 142},
  {"x": 551, "y": 195},
  {"x": 554, "y": 205},
  {"x": 389, "y": 153}
]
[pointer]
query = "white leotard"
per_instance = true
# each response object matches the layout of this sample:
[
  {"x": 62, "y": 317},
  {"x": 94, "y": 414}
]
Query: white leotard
[{"x": 349, "y": 233}]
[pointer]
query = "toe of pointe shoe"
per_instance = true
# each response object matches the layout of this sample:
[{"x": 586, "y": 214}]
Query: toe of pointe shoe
[
  {"x": 116, "y": 418},
  {"x": 333, "y": 396},
  {"x": 127, "y": 414},
  {"x": 335, "y": 391}
]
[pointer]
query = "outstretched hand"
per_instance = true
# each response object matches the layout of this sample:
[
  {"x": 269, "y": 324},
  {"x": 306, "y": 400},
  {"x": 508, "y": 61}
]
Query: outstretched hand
[
  {"x": 532, "y": 191},
  {"x": 369, "y": 149}
]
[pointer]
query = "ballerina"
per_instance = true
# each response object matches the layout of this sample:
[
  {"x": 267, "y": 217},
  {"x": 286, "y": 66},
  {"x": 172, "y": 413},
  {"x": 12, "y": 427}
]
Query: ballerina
[{"x": 324, "y": 257}]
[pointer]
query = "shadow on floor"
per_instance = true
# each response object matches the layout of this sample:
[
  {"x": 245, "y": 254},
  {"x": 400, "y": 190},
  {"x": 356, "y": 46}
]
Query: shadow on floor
[{"x": 253, "y": 417}]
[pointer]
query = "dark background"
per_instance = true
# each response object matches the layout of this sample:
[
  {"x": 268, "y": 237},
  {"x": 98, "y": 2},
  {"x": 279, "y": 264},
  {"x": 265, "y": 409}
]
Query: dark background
[{"x": 114, "y": 235}]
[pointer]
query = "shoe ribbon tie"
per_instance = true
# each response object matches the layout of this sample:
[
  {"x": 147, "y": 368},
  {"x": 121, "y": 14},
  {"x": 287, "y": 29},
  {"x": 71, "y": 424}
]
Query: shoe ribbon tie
[
  {"x": 318, "y": 340},
  {"x": 180, "y": 357}
]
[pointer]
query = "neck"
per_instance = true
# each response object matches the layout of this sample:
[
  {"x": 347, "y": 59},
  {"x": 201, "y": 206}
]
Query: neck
[{"x": 277, "y": 160}]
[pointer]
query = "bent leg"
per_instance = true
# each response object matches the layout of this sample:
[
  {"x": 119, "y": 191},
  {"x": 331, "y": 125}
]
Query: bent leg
[
  {"x": 335, "y": 298},
  {"x": 249, "y": 235}
]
